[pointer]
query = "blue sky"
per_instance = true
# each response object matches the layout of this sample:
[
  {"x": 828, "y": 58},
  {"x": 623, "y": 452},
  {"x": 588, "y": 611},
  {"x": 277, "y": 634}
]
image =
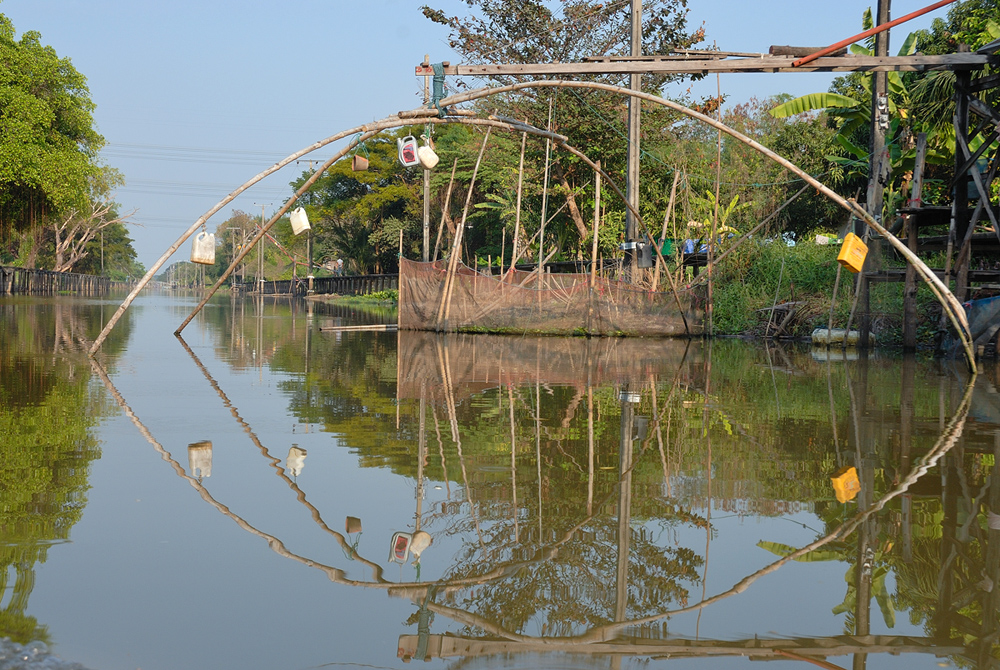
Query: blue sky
[{"x": 196, "y": 96}]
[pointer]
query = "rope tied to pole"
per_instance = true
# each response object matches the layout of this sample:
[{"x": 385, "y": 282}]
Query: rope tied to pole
[{"x": 438, "y": 91}]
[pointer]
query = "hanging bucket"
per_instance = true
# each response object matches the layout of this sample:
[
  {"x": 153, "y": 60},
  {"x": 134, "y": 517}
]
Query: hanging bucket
[
  {"x": 427, "y": 156},
  {"x": 203, "y": 249},
  {"x": 352, "y": 525},
  {"x": 852, "y": 253},
  {"x": 408, "y": 151},
  {"x": 359, "y": 163},
  {"x": 300, "y": 222}
]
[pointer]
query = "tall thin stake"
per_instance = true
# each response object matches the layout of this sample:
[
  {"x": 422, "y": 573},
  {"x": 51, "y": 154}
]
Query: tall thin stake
[
  {"x": 449, "y": 283},
  {"x": 444, "y": 210},
  {"x": 715, "y": 214}
]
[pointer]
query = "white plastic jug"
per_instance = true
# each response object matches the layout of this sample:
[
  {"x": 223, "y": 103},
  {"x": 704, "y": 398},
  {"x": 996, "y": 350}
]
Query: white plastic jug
[
  {"x": 408, "y": 151},
  {"x": 300, "y": 222},
  {"x": 203, "y": 249},
  {"x": 427, "y": 157}
]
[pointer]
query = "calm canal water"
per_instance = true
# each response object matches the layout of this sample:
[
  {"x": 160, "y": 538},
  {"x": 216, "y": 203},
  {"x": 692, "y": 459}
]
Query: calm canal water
[{"x": 262, "y": 493}]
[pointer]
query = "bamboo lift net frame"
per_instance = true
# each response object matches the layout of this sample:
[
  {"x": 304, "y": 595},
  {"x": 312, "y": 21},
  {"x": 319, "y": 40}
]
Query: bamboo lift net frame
[{"x": 950, "y": 305}]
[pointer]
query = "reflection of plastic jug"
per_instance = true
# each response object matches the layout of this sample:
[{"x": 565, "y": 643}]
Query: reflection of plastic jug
[
  {"x": 408, "y": 151},
  {"x": 296, "y": 460},
  {"x": 203, "y": 249},
  {"x": 845, "y": 484},
  {"x": 300, "y": 222},
  {"x": 420, "y": 541},
  {"x": 200, "y": 459},
  {"x": 400, "y": 549},
  {"x": 352, "y": 524}
]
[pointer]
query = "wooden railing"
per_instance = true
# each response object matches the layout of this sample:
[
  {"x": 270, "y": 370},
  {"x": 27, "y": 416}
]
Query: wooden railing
[{"x": 25, "y": 281}]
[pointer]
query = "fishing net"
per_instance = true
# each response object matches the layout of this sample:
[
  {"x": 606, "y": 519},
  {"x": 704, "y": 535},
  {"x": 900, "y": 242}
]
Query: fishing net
[{"x": 530, "y": 302}]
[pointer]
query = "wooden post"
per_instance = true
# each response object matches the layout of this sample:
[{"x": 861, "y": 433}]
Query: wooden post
[
  {"x": 879, "y": 163},
  {"x": 910, "y": 286},
  {"x": 634, "y": 149}
]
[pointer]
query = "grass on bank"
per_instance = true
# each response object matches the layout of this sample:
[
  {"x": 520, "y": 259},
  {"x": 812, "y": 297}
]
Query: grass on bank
[{"x": 748, "y": 280}]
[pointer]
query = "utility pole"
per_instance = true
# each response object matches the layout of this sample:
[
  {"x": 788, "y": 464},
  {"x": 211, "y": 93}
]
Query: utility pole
[
  {"x": 260, "y": 252},
  {"x": 877, "y": 174},
  {"x": 632, "y": 177},
  {"x": 427, "y": 173}
]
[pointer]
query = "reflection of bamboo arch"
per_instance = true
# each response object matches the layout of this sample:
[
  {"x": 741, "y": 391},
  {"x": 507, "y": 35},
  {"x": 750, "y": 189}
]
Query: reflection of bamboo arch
[
  {"x": 598, "y": 634},
  {"x": 336, "y": 574},
  {"x": 943, "y": 294}
]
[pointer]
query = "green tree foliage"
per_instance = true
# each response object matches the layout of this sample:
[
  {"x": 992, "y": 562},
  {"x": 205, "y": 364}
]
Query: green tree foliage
[
  {"x": 48, "y": 144},
  {"x": 358, "y": 215},
  {"x": 533, "y": 31}
]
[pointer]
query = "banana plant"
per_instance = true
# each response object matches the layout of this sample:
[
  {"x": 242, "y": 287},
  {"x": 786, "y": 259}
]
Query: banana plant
[{"x": 880, "y": 570}]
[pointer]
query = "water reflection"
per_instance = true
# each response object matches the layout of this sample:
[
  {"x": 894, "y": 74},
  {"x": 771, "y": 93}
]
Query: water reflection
[
  {"x": 48, "y": 417},
  {"x": 579, "y": 473}
]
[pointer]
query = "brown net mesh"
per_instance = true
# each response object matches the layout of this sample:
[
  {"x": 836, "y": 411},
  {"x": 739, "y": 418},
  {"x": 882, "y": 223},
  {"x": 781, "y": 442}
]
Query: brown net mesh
[{"x": 557, "y": 304}]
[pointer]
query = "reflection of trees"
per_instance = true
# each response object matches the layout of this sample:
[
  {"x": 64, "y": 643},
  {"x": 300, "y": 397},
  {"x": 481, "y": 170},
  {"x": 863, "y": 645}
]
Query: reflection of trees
[
  {"x": 47, "y": 412},
  {"x": 574, "y": 590}
]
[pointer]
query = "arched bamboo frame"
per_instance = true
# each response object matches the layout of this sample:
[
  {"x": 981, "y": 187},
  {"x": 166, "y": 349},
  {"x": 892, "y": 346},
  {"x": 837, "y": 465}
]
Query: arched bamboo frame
[{"x": 949, "y": 303}]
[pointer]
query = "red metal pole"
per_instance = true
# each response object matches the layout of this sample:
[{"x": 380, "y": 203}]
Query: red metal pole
[{"x": 868, "y": 33}]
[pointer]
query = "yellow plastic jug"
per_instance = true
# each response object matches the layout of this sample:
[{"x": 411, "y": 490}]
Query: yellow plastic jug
[{"x": 852, "y": 253}]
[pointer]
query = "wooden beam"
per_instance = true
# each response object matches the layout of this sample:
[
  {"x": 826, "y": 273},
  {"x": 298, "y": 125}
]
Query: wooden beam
[
  {"x": 850, "y": 63},
  {"x": 984, "y": 83},
  {"x": 451, "y": 646}
]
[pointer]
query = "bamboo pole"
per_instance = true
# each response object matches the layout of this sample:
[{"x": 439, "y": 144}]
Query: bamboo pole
[
  {"x": 444, "y": 210},
  {"x": 715, "y": 215},
  {"x": 205, "y": 217},
  {"x": 597, "y": 218},
  {"x": 663, "y": 234},
  {"x": 281, "y": 212},
  {"x": 449, "y": 284},
  {"x": 545, "y": 199},
  {"x": 520, "y": 182}
]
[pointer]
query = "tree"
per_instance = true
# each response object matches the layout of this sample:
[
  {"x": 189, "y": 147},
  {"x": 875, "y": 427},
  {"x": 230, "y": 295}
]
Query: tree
[
  {"x": 48, "y": 144},
  {"x": 76, "y": 228},
  {"x": 530, "y": 31}
]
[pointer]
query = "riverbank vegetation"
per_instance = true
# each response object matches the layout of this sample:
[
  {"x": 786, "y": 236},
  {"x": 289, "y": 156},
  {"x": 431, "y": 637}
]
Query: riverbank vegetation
[{"x": 57, "y": 207}]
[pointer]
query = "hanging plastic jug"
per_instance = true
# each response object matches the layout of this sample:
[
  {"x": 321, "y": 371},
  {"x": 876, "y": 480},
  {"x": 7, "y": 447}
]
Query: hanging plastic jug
[
  {"x": 408, "y": 151},
  {"x": 852, "y": 253},
  {"x": 427, "y": 156},
  {"x": 300, "y": 222},
  {"x": 203, "y": 249}
]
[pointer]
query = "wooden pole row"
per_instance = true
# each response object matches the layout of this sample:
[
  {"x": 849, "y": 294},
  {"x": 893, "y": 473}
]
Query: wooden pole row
[{"x": 31, "y": 281}]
